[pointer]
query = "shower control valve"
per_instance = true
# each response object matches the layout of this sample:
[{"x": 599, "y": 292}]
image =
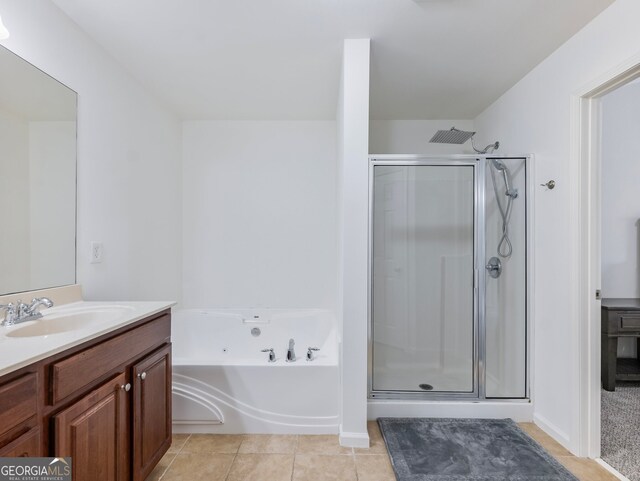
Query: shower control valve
[
  {"x": 494, "y": 267},
  {"x": 272, "y": 355},
  {"x": 310, "y": 356}
]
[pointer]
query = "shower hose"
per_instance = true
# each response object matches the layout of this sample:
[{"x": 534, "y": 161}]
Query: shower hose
[{"x": 504, "y": 246}]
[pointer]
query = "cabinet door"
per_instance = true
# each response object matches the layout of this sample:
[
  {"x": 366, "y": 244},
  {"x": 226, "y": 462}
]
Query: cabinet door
[
  {"x": 151, "y": 411},
  {"x": 94, "y": 432}
]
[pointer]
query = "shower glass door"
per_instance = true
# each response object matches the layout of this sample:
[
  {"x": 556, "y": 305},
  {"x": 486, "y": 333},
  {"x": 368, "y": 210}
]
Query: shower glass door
[
  {"x": 423, "y": 305},
  {"x": 505, "y": 299}
]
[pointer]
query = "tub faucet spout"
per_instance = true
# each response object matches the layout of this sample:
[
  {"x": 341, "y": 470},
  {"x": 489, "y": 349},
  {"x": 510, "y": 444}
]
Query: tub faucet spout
[{"x": 291, "y": 354}]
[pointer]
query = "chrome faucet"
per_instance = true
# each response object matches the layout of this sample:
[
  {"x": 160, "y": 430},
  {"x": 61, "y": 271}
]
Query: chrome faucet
[
  {"x": 10, "y": 314},
  {"x": 23, "y": 312},
  {"x": 272, "y": 355},
  {"x": 310, "y": 351},
  {"x": 291, "y": 354}
]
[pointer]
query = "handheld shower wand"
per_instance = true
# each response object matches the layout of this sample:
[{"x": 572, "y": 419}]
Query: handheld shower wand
[
  {"x": 506, "y": 177},
  {"x": 505, "y": 249}
]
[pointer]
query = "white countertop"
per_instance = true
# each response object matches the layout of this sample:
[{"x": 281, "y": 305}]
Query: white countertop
[{"x": 17, "y": 352}]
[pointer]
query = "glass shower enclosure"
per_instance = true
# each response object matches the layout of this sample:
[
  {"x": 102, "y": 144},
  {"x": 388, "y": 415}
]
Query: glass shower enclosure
[{"x": 448, "y": 273}]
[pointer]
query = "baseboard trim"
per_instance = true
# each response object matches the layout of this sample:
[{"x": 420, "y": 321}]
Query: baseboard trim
[
  {"x": 611, "y": 469},
  {"x": 353, "y": 440},
  {"x": 552, "y": 431},
  {"x": 519, "y": 411}
]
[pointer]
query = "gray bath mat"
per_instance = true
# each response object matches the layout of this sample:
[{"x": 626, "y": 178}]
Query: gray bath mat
[{"x": 424, "y": 449}]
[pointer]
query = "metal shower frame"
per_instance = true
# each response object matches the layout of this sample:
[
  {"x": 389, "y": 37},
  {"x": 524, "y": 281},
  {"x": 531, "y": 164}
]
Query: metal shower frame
[{"x": 479, "y": 165}]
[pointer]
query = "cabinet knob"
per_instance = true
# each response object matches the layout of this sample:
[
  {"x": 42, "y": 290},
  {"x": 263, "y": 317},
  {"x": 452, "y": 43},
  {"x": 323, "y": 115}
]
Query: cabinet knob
[
  {"x": 126, "y": 387},
  {"x": 142, "y": 375}
]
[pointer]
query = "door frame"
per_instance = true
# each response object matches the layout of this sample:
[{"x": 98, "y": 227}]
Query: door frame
[{"x": 586, "y": 204}]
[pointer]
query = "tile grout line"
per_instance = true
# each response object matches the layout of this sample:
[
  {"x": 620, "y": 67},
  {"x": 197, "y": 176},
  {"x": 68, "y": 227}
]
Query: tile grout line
[
  {"x": 235, "y": 456},
  {"x": 174, "y": 457},
  {"x": 295, "y": 453},
  {"x": 355, "y": 465}
]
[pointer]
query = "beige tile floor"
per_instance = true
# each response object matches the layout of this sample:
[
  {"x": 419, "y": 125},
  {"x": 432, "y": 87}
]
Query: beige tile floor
[{"x": 263, "y": 457}]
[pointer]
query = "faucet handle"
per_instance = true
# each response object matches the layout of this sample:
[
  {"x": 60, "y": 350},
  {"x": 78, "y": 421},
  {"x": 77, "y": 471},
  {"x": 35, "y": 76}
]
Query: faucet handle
[
  {"x": 22, "y": 308},
  {"x": 272, "y": 355},
  {"x": 9, "y": 308},
  {"x": 10, "y": 313},
  {"x": 310, "y": 351}
]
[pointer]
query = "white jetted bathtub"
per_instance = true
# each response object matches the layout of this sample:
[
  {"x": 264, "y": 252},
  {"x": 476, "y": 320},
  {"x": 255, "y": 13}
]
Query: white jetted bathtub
[{"x": 223, "y": 383}]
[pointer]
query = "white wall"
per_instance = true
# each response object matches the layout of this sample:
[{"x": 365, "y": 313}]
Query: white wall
[
  {"x": 353, "y": 118},
  {"x": 260, "y": 214},
  {"x": 620, "y": 193},
  {"x": 412, "y": 137},
  {"x": 620, "y": 145},
  {"x": 534, "y": 116},
  {"x": 128, "y": 158}
]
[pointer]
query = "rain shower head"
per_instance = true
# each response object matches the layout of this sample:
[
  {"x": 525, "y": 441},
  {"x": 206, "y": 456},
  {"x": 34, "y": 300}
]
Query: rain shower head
[
  {"x": 453, "y": 136},
  {"x": 456, "y": 136}
]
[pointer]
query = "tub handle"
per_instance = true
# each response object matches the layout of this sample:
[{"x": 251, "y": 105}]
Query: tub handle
[
  {"x": 272, "y": 355},
  {"x": 310, "y": 351}
]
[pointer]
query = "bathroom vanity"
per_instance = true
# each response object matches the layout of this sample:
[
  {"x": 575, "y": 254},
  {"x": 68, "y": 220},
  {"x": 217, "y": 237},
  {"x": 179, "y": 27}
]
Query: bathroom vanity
[
  {"x": 100, "y": 393},
  {"x": 89, "y": 380}
]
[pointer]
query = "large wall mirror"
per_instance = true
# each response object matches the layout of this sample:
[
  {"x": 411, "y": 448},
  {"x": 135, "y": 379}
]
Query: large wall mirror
[{"x": 37, "y": 178}]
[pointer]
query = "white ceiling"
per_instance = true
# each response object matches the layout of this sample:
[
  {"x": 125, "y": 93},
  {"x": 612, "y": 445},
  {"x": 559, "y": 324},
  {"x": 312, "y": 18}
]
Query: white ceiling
[{"x": 280, "y": 59}]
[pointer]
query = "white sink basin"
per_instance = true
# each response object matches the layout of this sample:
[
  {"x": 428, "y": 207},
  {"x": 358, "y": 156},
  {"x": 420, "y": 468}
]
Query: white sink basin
[{"x": 66, "y": 320}]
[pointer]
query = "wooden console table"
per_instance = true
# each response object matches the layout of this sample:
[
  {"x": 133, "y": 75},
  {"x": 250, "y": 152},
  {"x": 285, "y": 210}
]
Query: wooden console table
[{"x": 619, "y": 318}]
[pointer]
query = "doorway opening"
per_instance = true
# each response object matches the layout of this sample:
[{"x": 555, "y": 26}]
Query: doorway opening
[{"x": 609, "y": 270}]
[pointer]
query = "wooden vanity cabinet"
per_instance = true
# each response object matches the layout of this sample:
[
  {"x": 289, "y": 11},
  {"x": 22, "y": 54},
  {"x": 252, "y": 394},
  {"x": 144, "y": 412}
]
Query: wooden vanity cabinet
[
  {"x": 94, "y": 432},
  {"x": 105, "y": 403},
  {"x": 27, "y": 445},
  {"x": 19, "y": 433},
  {"x": 151, "y": 412}
]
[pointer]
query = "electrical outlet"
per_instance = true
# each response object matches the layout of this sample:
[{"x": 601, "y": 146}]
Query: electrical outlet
[{"x": 96, "y": 253}]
